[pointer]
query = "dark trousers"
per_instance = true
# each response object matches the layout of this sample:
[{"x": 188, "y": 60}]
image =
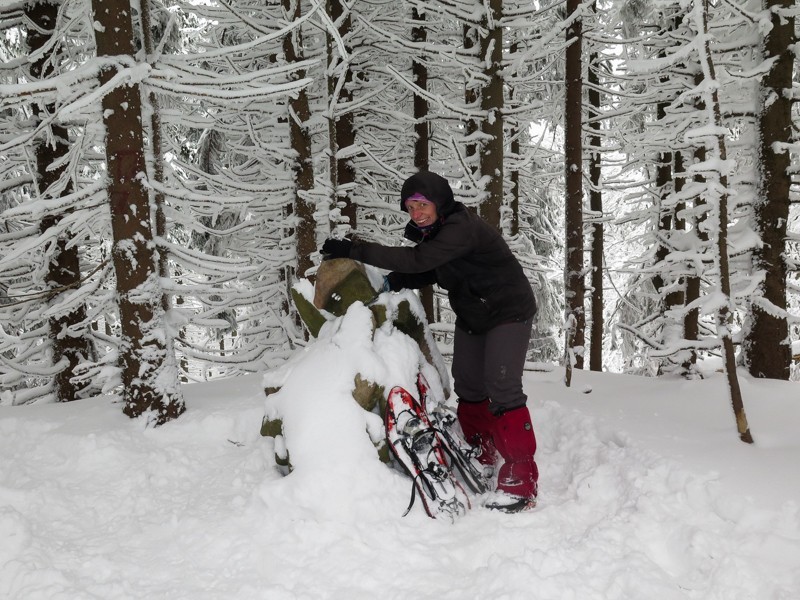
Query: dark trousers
[{"x": 490, "y": 365}]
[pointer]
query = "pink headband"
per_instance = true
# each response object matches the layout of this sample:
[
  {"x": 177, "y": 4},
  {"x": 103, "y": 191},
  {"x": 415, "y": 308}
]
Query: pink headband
[{"x": 417, "y": 198}]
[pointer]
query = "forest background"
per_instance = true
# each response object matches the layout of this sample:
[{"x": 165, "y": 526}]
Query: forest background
[{"x": 168, "y": 171}]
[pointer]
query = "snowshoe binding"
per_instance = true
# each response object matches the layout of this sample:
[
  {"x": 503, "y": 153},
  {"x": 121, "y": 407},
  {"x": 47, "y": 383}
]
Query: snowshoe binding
[{"x": 422, "y": 453}]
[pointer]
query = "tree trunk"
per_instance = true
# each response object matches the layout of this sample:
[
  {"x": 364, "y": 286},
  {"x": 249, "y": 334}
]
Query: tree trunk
[
  {"x": 514, "y": 158},
  {"x": 149, "y": 375},
  {"x": 471, "y": 100},
  {"x": 300, "y": 142},
  {"x": 340, "y": 91},
  {"x": 596, "y": 206},
  {"x": 492, "y": 103},
  {"x": 668, "y": 181},
  {"x": 156, "y": 146},
  {"x": 514, "y": 150},
  {"x": 767, "y": 347},
  {"x": 419, "y": 35},
  {"x": 573, "y": 158},
  {"x": 724, "y": 319},
  {"x": 422, "y": 138},
  {"x": 677, "y": 297},
  {"x": 69, "y": 332},
  {"x": 691, "y": 323},
  {"x": 333, "y": 146}
]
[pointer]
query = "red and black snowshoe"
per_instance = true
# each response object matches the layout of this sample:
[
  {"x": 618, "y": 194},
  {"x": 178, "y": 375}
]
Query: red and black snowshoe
[
  {"x": 421, "y": 451},
  {"x": 461, "y": 456}
]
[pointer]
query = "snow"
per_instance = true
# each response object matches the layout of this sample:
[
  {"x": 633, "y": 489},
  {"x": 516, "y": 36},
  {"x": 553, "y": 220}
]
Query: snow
[{"x": 646, "y": 492}]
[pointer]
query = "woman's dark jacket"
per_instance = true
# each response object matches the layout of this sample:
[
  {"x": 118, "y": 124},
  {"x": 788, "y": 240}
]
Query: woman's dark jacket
[{"x": 462, "y": 254}]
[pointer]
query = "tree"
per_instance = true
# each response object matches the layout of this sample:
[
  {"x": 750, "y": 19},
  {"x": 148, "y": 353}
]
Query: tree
[
  {"x": 596, "y": 206},
  {"x": 48, "y": 348},
  {"x": 301, "y": 144},
  {"x": 149, "y": 374},
  {"x": 492, "y": 154},
  {"x": 341, "y": 124},
  {"x": 670, "y": 283},
  {"x": 156, "y": 166},
  {"x": 265, "y": 123},
  {"x": 573, "y": 163},
  {"x": 422, "y": 131},
  {"x": 717, "y": 189},
  {"x": 69, "y": 329},
  {"x": 679, "y": 255},
  {"x": 231, "y": 185},
  {"x": 767, "y": 347}
]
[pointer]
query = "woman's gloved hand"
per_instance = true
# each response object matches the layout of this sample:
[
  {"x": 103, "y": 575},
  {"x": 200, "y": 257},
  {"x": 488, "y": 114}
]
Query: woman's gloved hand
[
  {"x": 392, "y": 283},
  {"x": 336, "y": 248}
]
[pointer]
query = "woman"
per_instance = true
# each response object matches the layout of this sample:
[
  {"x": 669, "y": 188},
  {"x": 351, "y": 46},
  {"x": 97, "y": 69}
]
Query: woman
[{"x": 494, "y": 307}]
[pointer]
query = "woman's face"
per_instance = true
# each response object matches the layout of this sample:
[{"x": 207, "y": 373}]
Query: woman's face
[{"x": 422, "y": 213}]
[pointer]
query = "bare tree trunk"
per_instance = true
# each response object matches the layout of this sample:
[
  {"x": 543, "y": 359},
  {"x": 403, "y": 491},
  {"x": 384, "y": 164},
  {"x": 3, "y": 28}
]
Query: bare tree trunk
[
  {"x": 420, "y": 72},
  {"x": 691, "y": 324},
  {"x": 664, "y": 178},
  {"x": 340, "y": 91},
  {"x": 513, "y": 158},
  {"x": 69, "y": 332},
  {"x": 677, "y": 297},
  {"x": 492, "y": 104},
  {"x": 515, "y": 191},
  {"x": 422, "y": 130},
  {"x": 767, "y": 347},
  {"x": 596, "y": 205},
  {"x": 333, "y": 145},
  {"x": 725, "y": 320},
  {"x": 300, "y": 142},
  {"x": 149, "y": 374},
  {"x": 569, "y": 354},
  {"x": 573, "y": 158},
  {"x": 471, "y": 100},
  {"x": 156, "y": 145}
]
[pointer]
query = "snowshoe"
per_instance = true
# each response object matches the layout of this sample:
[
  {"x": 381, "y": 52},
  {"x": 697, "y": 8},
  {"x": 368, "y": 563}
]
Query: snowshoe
[
  {"x": 461, "y": 455},
  {"x": 421, "y": 452}
]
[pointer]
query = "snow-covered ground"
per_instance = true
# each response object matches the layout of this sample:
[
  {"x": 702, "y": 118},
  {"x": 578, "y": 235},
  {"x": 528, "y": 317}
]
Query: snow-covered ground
[{"x": 646, "y": 492}]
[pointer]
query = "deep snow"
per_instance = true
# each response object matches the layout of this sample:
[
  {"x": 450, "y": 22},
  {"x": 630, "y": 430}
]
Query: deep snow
[{"x": 646, "y": 492}]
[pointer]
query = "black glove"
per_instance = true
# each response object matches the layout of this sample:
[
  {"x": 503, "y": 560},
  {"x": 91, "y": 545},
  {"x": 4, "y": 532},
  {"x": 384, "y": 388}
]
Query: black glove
[
  {"x": 392, "y": 282},
  {"x": 336, "y": 248}
]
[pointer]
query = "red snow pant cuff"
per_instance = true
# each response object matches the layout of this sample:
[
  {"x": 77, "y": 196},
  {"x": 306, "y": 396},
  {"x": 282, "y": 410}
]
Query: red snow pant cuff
[
  {"x": 477, "y": 423},
  {"x": 516, "y": 442}
]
